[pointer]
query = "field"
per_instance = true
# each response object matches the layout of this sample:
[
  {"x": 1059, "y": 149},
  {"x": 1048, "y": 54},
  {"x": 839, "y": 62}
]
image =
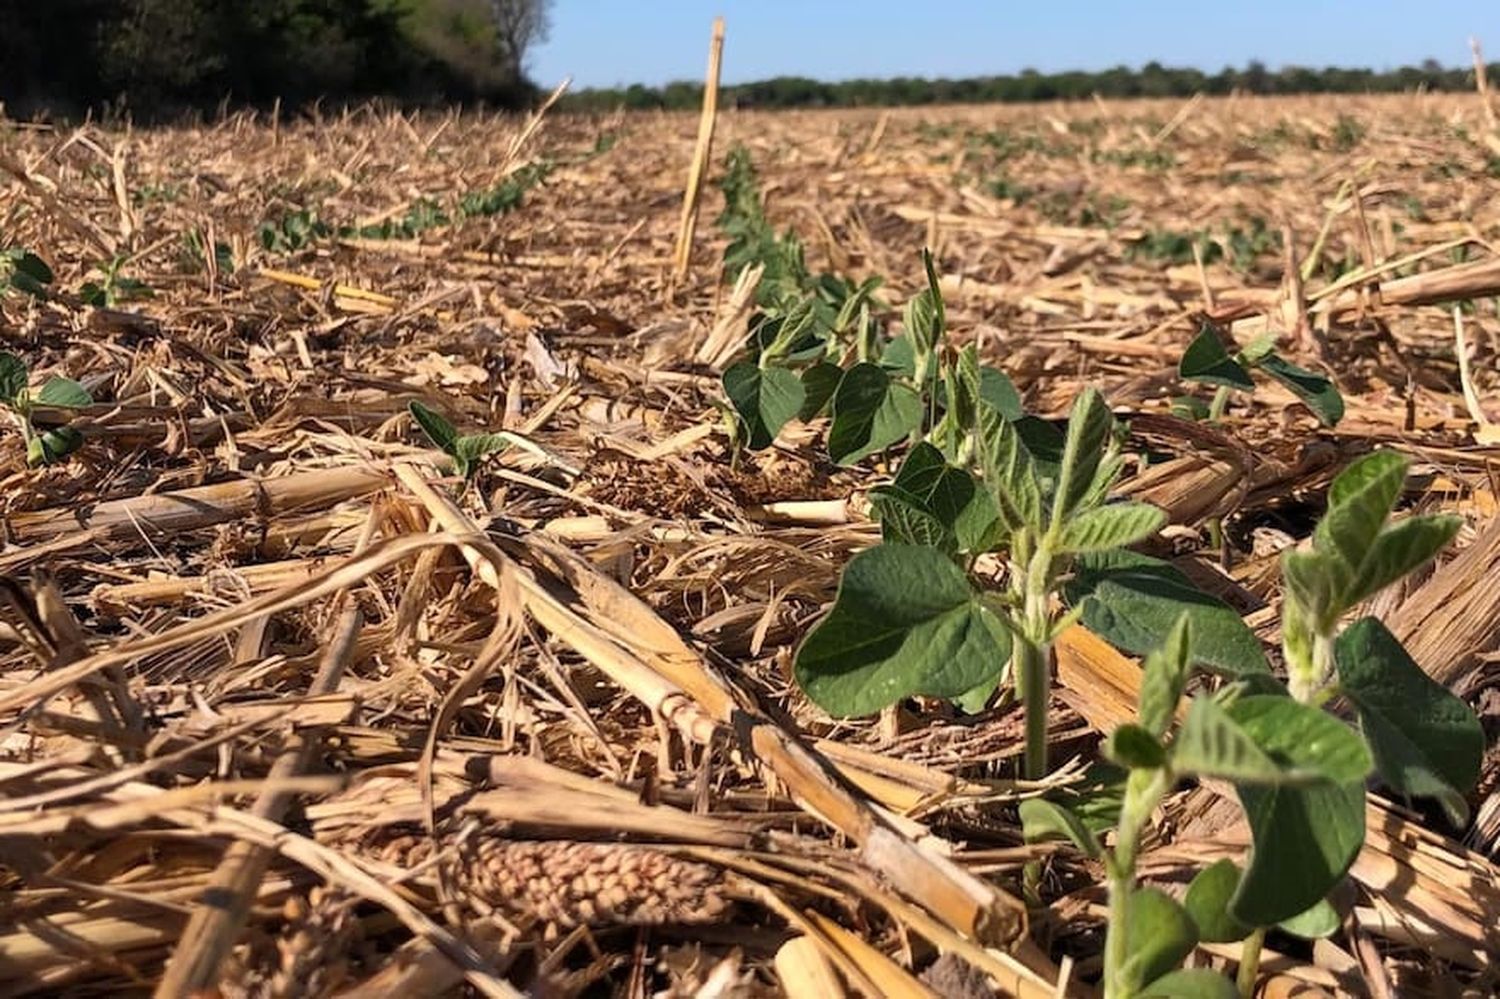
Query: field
[{"x": 291, "y": 707}]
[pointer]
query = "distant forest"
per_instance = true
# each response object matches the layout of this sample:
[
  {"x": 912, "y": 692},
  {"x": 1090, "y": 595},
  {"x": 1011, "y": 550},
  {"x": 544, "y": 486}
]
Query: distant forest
[
  {"x": 1151, "y": 80},
  {"x": 157, "y": 58}
]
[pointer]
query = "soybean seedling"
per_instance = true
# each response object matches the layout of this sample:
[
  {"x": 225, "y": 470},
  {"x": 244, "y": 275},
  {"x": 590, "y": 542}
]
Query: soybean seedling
[
  {"x": 1213, "y": 359},
  {"x": 910, "y": 618},
  {"x": 113, "y": 287},
  {"x": 468, "y": 451},
  {"x": 1299, "y": 771},
  {"x": 48, "y": 446}
]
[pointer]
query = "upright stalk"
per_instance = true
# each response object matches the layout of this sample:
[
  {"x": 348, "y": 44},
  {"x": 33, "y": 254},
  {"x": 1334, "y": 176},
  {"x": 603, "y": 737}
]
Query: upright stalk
[
  {"x": 1249, "y": 970},
  {"x": 1031, "y": 655},
  {"x": 1031, "y": 652},
  {"x": 1307, "y": 681},
  {"x": 1219, "y": 404},
  {"x": 1030, "y": 662},
  {"x": 1143, "y": 790}
]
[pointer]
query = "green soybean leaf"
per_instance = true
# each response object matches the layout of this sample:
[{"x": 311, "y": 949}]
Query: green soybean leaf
[
  {"x": 1190, "y": 983},
  {"x": 1425, "y": 741},
  {"x": 1314, "y": 923},
  {"x": 34, "y": 267},
  {"x": 1158, "y": 935},
  {"x": 1044, "y": 820},
  {"x": 1317, "y": 581},
  {"x": 905, "y": 519},
  {"x": 1208, "y": 362},
  {"x": 438, "y": 430},
  {"x": 1089, "y": 425},
  {"x": 1400, "y": 549},
  {"x": 30, "y": 273},
  {"x": 52, "y": 446},
  {"x": 926, "y": 474},
  {"x": 962, "y": 384},
  {"x": 1373, "y": 480},
  {"x": 1133, "y": 601},
  {"x": 471, "y": 449},
  {"x": 1105, "y": 477},
  {"x": 905, "y": 621},
  {"x": 764, "y": 398},
  {"x": 870, "y": 413},
  {"x": 1164, "y": 674},
  {"x": 1359, "y": 501},
  {"x": 63, "y": 392},
  {"x": 934, "y": 496},
  {"x": 925, "y": 319},
  {"x": 819, "y": 382},
  {"x": 1113, "y": 526},
  {"x": 1097, "y": 799},
  {"x": 998, "y": 392},
  {"x": 934, "y": 289},
  {"x": 921, "y": 322},
  {"x": 1258, "y": 347},
  {"x": 1305, "y": 838},
  {"x": 1316, "y": 392},
  {"x": 1211, "y": 744},
  {"x": 1130, "y": 745},
  {"x": 1305, "y": 740},
  {"x": 798, "y": 335},
  {"x": 1207, "y": 901},
  {"x": 1045, "y": 442},
  {"x": 13, "y": 378},
  {"x": 1009, "y": 473},
  {"x": 899, "y": 356},
  {"x": 974, "y": 700}
]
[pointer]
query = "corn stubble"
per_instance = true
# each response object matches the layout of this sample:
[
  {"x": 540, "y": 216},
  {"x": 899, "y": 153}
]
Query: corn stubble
[{"x": 593, "y": 632}]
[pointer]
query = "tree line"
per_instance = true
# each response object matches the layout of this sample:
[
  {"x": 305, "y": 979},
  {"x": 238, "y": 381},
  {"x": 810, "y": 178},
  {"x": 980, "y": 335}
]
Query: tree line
[
  {"x": 158, "y": 58},
  {"x": 1150, "y": 80}
]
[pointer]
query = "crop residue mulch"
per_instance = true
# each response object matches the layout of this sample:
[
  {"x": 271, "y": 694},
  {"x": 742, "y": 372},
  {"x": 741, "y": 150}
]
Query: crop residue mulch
[{"x": 259, "y": 646}]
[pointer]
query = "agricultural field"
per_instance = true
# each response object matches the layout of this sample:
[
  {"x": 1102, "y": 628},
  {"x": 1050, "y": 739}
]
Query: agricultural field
[{"x": 1015, "y": 524}]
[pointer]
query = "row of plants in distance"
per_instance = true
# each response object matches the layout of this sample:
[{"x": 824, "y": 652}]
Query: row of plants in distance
[{"x": 298, "y": 229}]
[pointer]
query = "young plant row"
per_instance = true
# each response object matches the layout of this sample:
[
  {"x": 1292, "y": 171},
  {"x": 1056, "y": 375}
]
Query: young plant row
[
  {"x": 23, "y": 271},
  {"x": 819, "y": 345},
  {"x": 912, "y": 616},
  {"x": 999, "y": 532},
  {"x": 297, "y": 229}
]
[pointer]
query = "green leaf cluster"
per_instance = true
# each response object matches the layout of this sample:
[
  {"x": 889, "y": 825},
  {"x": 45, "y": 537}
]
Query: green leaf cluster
[
  {"x": 52, "y": 444},
  {"x": 1356, "y": 553},
  {"x": 1211, "y": 359},
  {"x": 1299, "y": 771},
  {"x": 819, "y": 344},
  {"x": 908, "y": 617},
  {"x": 113, "y": 287},
  {"x": 468, "y": 451}
]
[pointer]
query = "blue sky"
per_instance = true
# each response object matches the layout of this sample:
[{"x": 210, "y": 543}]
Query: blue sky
[{"x": 608, "y": 42}]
